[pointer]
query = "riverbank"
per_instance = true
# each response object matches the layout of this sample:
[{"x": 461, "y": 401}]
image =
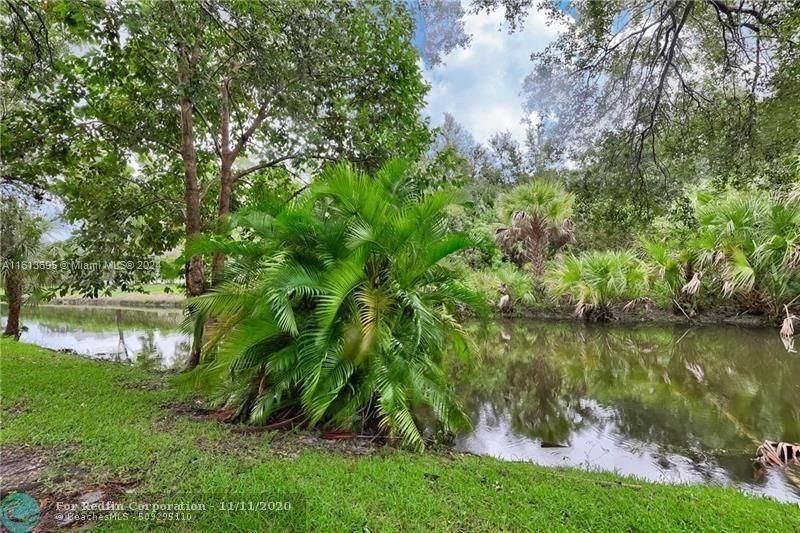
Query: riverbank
[
  {"x": 652, "y": 316},
  {"x": 76, "y": 428},
  {"x": 154, "y": 295},
  {"x": 172, "y": 296}
]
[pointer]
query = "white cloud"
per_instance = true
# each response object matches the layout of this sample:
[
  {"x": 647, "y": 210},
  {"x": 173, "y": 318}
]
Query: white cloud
[{"x": 480, "y": 85}]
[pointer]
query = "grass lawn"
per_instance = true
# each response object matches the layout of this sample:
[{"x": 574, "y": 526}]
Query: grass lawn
[
  {"x": 154, "y": 294},
  {"x": 153, "y": 289},
  {"x": 96, "y": 424}
]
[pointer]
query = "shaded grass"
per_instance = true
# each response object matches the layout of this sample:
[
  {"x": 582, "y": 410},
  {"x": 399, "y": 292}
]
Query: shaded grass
[{"x": 109, "y": 423}]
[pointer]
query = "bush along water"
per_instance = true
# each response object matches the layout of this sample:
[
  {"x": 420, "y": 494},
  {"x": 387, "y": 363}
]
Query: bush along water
[
  {"x": 749, "y": 245},
  {"x": 338, "y": 308},
  {"x": 740, "y": 254},
  {"x": 596, "y": 280}
]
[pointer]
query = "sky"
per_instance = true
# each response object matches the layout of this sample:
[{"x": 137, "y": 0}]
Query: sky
[{"x": 480, "y": 85}]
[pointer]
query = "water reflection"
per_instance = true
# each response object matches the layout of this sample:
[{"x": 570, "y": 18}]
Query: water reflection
[
  {"x": 147, "y": 337},
  {"x": 667, "y": 404}
]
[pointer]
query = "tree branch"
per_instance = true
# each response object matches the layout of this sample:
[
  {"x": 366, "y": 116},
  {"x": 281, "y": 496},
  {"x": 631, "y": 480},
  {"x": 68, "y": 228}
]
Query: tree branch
[
  {"x": 257, "y": 121},
  {"x": 217, "y": 147},
  {"x": 263, "y": 165}
]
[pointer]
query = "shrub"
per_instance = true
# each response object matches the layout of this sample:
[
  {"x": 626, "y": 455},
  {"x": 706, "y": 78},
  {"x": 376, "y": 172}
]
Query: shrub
[
  {"x": 491, "y": 283},
  {"x": 668, "y": 273},
  {"x": 337, "y": 309},
  {"x": 749, "y": 243},
  {"x": 596, "y": 280}
]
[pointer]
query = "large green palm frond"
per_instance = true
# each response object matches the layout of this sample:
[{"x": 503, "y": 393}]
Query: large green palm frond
[
  {"x": 338, "y": 308},
  {"x": 541, "y": 198},
  {"x": 595, "y": 280}
]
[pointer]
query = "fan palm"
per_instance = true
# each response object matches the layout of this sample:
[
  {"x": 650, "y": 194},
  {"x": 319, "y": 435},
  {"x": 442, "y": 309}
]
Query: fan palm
[
  {"x": 337, "y": 309},
  {"x": 595, "y": 280},
  {"x": 751, "y": 241},
  {"x": 538, "y": 214}
]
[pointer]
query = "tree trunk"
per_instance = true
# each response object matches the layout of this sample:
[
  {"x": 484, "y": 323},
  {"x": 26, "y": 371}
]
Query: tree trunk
[
  {"x": 195, "y": 281},
  {"x": 223, "y": 209},
  {"x": 227, "y": 157},
  {"x": 14, "y": 295}
]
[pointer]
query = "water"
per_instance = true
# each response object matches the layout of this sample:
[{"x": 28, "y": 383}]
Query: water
[
  {"x": 667, "y": 404},
  {"x": 148, "y": 337}
]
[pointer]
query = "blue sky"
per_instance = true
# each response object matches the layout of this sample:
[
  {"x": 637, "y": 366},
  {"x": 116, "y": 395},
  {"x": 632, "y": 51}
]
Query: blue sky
[{"x": 480, "y": 85}]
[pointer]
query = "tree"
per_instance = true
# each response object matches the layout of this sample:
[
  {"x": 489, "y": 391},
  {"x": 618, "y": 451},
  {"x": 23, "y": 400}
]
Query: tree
[
  {"x": 634, "y": 64},
  {"x": 20, "y": 240},
  {"x": 538, "y": 216},
  {"x": 340, "y": 308},
  {"x": 448, "y": 161},
  {"x": 46, "y": 148},
  {"x": 36, "y": 96},
  {"x": 257, "y": 86},
  {"x": 506, "y": 159},
  {"x": 194, "y": 100}
]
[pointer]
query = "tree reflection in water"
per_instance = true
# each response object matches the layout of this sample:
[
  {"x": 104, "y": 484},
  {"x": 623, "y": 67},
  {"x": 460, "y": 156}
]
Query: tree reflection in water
[{"x": 695, "y": 403}]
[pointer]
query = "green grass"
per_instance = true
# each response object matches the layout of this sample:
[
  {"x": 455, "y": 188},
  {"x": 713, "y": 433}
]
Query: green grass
[
  {"x": 153, "y": 289},
  {"x": 153, "y": 293},
  {"x": 99, "y": 422}
]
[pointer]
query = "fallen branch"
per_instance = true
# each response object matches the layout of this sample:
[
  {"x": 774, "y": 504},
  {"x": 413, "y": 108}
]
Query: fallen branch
[{"x": 681, "y": 308}]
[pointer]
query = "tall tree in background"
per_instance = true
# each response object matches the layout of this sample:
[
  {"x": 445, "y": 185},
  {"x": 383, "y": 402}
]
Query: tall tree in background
[
  {"x": 258, "y": 85},
  {"x": 638, "y": 66},
  {"x": 20, "y": 239},
  {"x": 640, "y": 69}
]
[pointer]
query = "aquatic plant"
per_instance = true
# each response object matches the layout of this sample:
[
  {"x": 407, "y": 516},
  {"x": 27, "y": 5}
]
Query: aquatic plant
[{"x": 338, "y": 308}]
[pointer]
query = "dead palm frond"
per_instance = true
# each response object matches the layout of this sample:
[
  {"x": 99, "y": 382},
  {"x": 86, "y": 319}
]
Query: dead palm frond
[
  {"x": 779, "y": 454},
  {"x": 787, "y": 328},
  {"x": 693, "y": 285}
]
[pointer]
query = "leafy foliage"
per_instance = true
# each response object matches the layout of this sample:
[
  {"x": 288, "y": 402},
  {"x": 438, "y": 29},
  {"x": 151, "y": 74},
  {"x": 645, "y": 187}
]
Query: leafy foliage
[
  {"x": 337, "y": 309},
  {"x": 750, "y": 243},
  {"x": 492, "y": 282},
  {"x": 21, "y": 233},
  {"x": 538, "y": 214},
  {"x": 595, "y": 280}
]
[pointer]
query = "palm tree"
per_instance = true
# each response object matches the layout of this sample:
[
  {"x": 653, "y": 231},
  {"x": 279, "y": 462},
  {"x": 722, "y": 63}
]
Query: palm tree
[
  {"x": 750, "y": 242},
  {"x": 337, "y": 309},
  {"x": 538, "y": 216},
  {"x": 20, "y": 240}
]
